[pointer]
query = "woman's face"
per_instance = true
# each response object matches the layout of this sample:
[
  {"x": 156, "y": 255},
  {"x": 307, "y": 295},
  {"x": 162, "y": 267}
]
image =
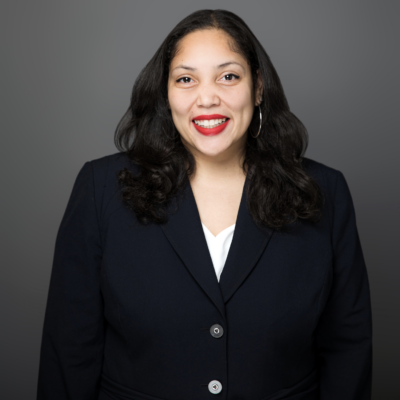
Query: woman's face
[{"x": 207, "y": 78}]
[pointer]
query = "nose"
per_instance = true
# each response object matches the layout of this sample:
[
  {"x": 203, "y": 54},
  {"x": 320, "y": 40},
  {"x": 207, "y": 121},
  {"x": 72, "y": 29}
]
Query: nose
[{"x": 207, "y": 97}]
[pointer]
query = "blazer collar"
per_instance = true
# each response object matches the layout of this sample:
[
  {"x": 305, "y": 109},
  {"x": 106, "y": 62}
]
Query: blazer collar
[{"x": 185, "y": 233}]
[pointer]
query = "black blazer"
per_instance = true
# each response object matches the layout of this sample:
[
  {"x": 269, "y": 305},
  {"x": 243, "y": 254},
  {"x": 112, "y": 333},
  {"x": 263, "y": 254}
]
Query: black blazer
[{"x": 132, "y": 309}]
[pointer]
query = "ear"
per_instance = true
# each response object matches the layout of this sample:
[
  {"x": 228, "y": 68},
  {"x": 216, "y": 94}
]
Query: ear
[{"x": 259, "y": 89}]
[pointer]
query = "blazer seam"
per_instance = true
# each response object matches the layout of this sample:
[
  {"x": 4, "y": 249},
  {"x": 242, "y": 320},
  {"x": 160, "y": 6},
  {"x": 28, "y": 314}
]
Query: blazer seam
[
  {"x": 95, "y": 207},
  {"x": 103, "y": 205},
  {"x": 332, "y": 213},
  {"x": 331, "y": 232},
  {"x": 116, "y": 192},
  {"x": 100, "y": 344},
  {"x": 102, "y": 195}
]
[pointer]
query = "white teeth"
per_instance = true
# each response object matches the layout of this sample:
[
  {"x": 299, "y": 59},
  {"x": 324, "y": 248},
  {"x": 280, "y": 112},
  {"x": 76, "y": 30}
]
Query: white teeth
[{"x": 211, "y": 123}]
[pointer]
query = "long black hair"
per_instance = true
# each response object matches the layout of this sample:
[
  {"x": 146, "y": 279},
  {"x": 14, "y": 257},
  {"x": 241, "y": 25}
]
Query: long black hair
[{"x": 279, "y": 190}]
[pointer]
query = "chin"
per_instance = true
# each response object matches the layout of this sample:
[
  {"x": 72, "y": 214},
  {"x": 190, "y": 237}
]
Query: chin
[
  {"x": 211, "y": 152},
  {"x": 210, "y": 147}
]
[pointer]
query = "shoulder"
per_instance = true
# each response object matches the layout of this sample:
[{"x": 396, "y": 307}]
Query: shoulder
[
  {"x": 106, "y": 168},
  {"x": 104, "y": 176},
  {"x": 333, "y": 184},
  {"x": 320, "y": 171},
  {"x": 326, "y": 177},
  {"x": 111, "y": 164}
]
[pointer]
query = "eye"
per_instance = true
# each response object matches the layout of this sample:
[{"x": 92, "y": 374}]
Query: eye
[
  {"x": 236, "y": 76},
  {"x": 184, "y": 77}
]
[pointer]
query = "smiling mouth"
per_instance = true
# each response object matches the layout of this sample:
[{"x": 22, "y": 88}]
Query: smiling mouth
[{"x": 210, "y": 123}]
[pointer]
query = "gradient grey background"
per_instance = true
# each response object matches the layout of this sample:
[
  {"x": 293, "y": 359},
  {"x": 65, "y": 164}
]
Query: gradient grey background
[{"x": 67, "y": 69}]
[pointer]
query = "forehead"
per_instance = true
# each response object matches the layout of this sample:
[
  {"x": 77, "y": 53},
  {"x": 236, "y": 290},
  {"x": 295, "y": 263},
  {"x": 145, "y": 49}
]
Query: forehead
[{"x": 206, "y": 47}]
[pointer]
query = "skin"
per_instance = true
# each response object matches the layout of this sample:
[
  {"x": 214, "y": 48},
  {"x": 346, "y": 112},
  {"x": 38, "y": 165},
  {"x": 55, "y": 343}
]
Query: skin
[{"x": 218, "y": 178}]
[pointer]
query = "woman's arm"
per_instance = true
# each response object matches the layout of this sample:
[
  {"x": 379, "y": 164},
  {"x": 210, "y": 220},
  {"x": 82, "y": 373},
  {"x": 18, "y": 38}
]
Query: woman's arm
[
  {"x": 344, "y": 331},
  {"x": 73, "y": 333}
]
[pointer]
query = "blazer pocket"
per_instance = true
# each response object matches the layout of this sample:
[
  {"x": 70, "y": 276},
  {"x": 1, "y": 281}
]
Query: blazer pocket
[
  {"x": 306, "y": 389},
  {"x": 112, "y": 390}
]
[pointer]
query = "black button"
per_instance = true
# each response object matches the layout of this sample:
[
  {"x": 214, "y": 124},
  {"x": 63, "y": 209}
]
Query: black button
[{"x": 217, "y": 331}]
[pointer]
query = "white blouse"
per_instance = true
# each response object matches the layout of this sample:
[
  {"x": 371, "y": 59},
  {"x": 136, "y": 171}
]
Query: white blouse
[{"x": 219, "y": 246}]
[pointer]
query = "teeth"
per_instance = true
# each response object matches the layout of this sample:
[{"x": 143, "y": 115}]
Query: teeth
[{"x": 211, "y": 123}]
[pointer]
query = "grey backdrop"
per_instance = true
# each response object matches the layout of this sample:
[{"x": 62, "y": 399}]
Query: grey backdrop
[{"x": 67, "y": 70}]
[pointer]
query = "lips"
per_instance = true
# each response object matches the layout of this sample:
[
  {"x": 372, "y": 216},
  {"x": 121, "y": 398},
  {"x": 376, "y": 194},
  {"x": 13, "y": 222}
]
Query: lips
[
  {"x": 210, "y": 131},
  {"x": 211, "y": 116}
]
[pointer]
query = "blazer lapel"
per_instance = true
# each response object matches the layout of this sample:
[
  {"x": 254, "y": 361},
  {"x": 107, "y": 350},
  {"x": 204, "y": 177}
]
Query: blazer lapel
[
  {"x": 248, "y": 243},
  {"x": 185, "y": 233}
]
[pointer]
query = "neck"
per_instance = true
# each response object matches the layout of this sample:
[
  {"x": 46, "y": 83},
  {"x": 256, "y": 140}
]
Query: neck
[{"x": 219, "y": 170}]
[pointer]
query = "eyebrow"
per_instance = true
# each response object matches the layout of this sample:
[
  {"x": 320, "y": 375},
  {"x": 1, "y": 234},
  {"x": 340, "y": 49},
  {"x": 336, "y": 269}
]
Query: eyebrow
[{"x": 217, "y": 67}]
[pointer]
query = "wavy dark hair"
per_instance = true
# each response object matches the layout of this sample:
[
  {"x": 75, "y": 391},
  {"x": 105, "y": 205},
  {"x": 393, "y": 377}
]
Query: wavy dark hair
[{"x": 279, "y": 191}]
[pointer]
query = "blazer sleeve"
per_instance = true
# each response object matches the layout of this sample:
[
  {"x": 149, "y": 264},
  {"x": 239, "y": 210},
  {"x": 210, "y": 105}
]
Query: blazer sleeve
[
  {"x": 71, "y": 351},
  {"x": 344, "y": 330}
]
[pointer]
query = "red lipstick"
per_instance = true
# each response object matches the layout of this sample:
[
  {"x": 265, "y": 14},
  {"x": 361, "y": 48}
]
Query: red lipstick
[
  {"x": 211, "y": 116},
  {"x": 210, "y": 131}
]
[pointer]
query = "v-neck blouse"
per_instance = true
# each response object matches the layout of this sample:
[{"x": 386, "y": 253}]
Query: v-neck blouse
[{"x": 219, "y": 247}]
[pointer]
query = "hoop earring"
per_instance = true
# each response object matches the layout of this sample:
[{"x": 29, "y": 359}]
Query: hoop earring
[{"x": 259, "y": 129}]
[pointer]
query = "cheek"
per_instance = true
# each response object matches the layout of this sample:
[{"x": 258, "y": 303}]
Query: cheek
[
  {"x": 179, "y": 111},
  {"x": 179, "y": 104},
  {"x": 240, "y": 100},
  {"x": 241, "y": 104}
]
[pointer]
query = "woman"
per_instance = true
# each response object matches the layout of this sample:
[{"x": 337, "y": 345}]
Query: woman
[{"x": 208, "y": 257}]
